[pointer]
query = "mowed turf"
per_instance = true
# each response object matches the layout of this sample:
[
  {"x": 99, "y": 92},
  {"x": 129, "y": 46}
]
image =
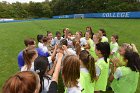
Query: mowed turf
[{"x": 13, "y": 34}]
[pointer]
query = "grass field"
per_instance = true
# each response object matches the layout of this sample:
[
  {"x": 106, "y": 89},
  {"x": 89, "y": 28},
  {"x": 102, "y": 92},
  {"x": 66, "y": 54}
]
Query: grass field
[{"x": 13, "y": 34}]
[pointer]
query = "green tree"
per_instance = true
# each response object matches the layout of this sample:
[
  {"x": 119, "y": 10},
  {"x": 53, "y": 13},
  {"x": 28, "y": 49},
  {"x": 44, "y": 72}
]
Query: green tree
[
  {"x": 5, "y": 10},
  {"x": 35, "y": 10},
  {"x": 46, "y": 9},
  {"x": 19, "y": 10}
]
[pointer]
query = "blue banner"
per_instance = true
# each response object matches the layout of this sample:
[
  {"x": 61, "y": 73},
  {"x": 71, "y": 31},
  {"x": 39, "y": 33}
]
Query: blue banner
[{"x": 102, "y": 15}]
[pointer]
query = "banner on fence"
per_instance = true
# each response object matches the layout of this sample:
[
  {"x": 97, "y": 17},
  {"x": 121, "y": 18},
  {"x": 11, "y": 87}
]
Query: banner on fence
[{"x": 102, "y": 15}]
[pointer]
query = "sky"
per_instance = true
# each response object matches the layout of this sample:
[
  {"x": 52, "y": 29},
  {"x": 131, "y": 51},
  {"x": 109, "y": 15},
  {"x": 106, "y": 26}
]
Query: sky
[{"x": 11, "y": 1}]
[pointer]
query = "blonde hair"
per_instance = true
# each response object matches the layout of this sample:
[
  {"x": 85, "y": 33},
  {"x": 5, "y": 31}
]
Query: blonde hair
[
  {"x": 98, "y": 36},
  {"x": 129, "y": 47}
]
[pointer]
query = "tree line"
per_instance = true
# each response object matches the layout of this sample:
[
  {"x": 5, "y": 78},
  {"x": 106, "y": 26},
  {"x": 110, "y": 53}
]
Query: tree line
[{"x": 48, "y": 9}]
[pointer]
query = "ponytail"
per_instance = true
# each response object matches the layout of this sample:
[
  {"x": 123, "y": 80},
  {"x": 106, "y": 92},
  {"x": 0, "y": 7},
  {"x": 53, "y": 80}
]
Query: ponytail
[
  {"x": 105, "y": 57},
  {"x": 28, "y": 54},
  {"x": 40, "y": 66},
  {"x": 77, "y": 48},
  {"x": 129, "y": 47},
  {"x": 91, "y": 67},
  {"x": 26, "y": 59},
  {"x": 76, "y": 43},
  {"x": 134, "y": 49},
  {"x": 89, "y": 63}
]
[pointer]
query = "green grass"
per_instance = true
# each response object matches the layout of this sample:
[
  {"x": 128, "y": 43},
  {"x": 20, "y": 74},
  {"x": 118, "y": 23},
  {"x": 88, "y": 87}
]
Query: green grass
[{"x": 13, "y": 34}]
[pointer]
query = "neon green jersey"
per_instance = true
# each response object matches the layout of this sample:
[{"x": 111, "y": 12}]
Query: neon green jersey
[
  {"x": 121, "y": 62},
  {"x": 90, "y": 42},
  {"x": 127, "y": 83},
  {"x": 104, "y": 39},
  {"x": 101, "y": 83},
  {"x": 85, "y": 81},
  {"x": 92, "y": 49}
]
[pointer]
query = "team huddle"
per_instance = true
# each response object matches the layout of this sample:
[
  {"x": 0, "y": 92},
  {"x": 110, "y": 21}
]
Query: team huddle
[{"x": 86, "y": 63}]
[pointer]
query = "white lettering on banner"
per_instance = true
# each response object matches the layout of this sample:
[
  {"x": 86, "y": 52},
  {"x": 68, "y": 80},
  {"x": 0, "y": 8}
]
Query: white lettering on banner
[{"x": 120, "y": 15}]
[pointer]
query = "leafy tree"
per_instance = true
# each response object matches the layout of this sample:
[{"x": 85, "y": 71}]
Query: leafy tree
[{"x": 62, "y": 7}]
